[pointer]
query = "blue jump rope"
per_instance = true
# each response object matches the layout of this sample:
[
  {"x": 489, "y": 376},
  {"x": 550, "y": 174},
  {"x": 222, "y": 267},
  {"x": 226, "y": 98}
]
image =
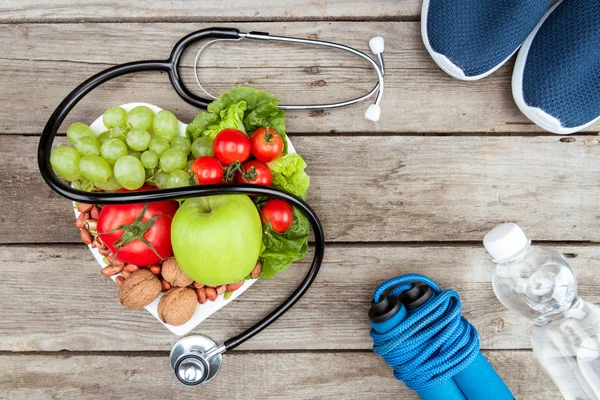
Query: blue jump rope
[{"x": 419, "y": 331}]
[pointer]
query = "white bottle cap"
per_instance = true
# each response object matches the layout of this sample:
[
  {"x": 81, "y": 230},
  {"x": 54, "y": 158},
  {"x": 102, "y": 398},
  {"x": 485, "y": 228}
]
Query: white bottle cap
[
  {"x": 377, "y": 45},
  {"x": 505, "y": 241},
  {"x": 373, "y": 113}
]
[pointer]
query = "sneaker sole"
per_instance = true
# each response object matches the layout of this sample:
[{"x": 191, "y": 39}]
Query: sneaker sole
[
  {"x": 536, "y": 114},
  {"x": 444, "y": 62}
]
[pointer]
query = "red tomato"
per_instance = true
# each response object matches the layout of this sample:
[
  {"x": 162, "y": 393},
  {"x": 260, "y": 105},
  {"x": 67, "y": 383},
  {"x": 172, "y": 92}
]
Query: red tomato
[
  {"x": 266, "y": 144},
  {"x": 231, "y": 145},
  {"x": 278, "y": 213},
  {"x": 154, "y": 226},
  {"x": 208, "y": 171},
  {"x": 255, "y": 172}
]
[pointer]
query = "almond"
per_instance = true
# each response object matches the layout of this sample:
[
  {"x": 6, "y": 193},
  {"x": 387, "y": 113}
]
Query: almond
[
  {"x": 221, "y": 289},
  {"x": 126, "y": 274},
  {"x": 120, "y": 279},
  {"x": 139, "y": 289},
  {"x": 131, "y": 268},
  {"x": 256, "y": 271},
  {"x": 177, "y": 306},
  {"x": 86, "y": 236},
  {"x": 90, "y": 224},
  {"x": 95, "y": 212},
  {"x": 198, "y": 285},
  {"x": 81, "y": 219},
  {"x": 84, "y": 207}
]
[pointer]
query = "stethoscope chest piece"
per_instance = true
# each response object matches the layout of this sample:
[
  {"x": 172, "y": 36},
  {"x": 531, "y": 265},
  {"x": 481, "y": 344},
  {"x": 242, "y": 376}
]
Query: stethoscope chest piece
[{"x": 195, "y": 360}]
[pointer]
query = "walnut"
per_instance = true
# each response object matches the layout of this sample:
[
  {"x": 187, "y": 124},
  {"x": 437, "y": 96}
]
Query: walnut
[
  {"x": 172, "y": 273},
  {"x": 177, "y": 306},
  {"x": 139, "y": 289}
]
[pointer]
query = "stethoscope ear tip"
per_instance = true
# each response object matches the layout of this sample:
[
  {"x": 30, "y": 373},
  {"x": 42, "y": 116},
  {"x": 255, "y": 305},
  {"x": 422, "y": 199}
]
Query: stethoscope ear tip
[
  {"x": 373, "y": 113},
  {"x": 377, "y": 45}
]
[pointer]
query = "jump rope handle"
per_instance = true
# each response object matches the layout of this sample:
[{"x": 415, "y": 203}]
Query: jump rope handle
[{"x": 391, "y": 317}]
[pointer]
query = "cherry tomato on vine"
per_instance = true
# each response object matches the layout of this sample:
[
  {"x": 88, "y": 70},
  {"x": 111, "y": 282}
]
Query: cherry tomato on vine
[
  {"x": 255, "y": 172},
  {"x": 267, "y": 144},
  {"x": 208, "y": 170},
  {"x": 231, "y": 145},
  {"x": 278, "y": 213}
]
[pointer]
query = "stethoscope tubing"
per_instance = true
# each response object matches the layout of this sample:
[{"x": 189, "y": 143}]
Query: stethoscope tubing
[{"x": 171, "y": 66}]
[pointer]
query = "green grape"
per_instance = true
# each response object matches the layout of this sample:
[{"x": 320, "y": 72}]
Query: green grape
[
  {"x": 178, "y": 178},
  {"x": 161, "y": 180},
  {"x": 65, "y": 161},
  {"x": 103, "y": 137},
  {"x": 172, "y": 160},
  {"x": 114, "y": 116},
  {"x": 112, "y": 184},
  {"x": 149, "y": 159},
  {"x": 138, "y": 139},
  {"x": 188, "y": 166},
  {"x": 86, "y": 145},
  {"x": 150, "y": 172},
  {"x": 83, "y": 184},
  {"x": 136, "y": 154},
  {"x": 78, "y": 130},
  {"x": 158, "y": 145},
  {"x": 95, "y": 168},
  {"x": 112, "y": 150},
  {"x": 202, "y": 146},
  {"x": 119, "y": 132},
  {"x": 140, "y": 117},
  {"x": 182, "y": 143},
  {"x": 166, "y": 125},
  {"x": 130, "y": 172}
]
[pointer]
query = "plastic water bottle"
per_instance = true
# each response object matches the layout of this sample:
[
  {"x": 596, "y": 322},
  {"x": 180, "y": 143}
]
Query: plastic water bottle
[{"x": 539, "y": 284}]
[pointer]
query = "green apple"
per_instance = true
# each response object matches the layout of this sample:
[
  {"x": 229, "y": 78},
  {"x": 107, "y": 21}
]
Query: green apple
[{"x": 217, "y": 239}]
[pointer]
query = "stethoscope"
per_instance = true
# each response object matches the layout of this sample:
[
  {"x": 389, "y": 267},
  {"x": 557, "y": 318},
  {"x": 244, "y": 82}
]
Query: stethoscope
[{"x": 196, "y": 359}]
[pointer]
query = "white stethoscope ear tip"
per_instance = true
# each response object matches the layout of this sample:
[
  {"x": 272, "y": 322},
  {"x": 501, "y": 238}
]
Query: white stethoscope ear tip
[
  {"x": 377, "y": 45},
  {"x": 373, "y": 113}
]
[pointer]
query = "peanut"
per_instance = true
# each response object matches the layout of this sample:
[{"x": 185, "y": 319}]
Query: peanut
[
  {"x": 86, "y": 236},
  {"x": 256, "y": 271},
  {"x": 198, "y": 285},
  {"x": 95, "y": 212},
  {"x": 201, "y": 295},
  {"x": 81, "y": 219},
  {"x": 111, "y": 270},
  {"x": 84, "y": 207},
  {"x": 211, "y": 293},
  {"x": 91, "y": 224},
  {"x": 221, "y": 289},
  {"x": 155, "y": 269},
  {"x": 232, "y": 287},
  {"x": 131, "y": 268},
  {"x": 120, "y": 279},
  {"x": 166, "y": 285}
]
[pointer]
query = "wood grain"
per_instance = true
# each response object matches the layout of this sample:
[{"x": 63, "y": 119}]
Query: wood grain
[
  {"x": 54, "y": 298},
  {"x": 243, "y": 376},
  {"x": 199, "y": 11},
  {"x": 42, "y": 63},
  {"x": 393, "y": 188}
]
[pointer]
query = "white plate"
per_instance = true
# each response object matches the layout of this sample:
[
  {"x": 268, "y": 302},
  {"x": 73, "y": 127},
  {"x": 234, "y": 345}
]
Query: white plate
[{"x": 202, "y": 311}]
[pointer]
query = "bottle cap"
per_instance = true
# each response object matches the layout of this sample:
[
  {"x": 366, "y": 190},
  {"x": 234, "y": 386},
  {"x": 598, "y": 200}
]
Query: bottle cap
[
  {"x": 385, "y": 309},
  {"x": 505, "y": 241},
  {"x": 416, "y": 296}
]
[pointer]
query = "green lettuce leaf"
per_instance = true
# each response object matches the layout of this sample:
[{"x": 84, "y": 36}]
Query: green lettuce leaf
[
  {"x": 289, "y": 176},
  {"x": 282, "y": 249},
  {"x": 260, "y": 111}
]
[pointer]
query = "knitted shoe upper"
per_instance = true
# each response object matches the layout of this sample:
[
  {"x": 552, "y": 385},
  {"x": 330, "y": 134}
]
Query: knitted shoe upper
[
  {"x": 478, "y": 35},
  {"x": 562, "y": 69}
]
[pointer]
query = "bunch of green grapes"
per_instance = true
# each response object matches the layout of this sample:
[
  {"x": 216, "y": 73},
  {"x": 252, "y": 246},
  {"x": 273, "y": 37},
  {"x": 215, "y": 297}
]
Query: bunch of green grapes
[{"x": 138, "y": 147}]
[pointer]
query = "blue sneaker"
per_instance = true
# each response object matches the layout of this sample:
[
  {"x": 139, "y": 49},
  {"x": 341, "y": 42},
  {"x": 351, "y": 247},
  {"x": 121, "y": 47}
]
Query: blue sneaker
[
  {"x": 470, "y": 39},
  {"x": 556, "y": 81}
]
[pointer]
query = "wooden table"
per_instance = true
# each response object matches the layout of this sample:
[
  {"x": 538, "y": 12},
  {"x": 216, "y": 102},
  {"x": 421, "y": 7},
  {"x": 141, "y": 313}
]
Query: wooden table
[{"x": 415, "y": 192}]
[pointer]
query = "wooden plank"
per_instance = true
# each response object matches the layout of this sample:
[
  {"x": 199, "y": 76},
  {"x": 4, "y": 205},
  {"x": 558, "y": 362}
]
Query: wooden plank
[
  {"x": 43, "y": 62},
  {"x": 382, "y": 189},
  {"x": 54, "y": 298},
  {"x": 243, "y": 376},
  {"x": 185, "y": 10}
]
